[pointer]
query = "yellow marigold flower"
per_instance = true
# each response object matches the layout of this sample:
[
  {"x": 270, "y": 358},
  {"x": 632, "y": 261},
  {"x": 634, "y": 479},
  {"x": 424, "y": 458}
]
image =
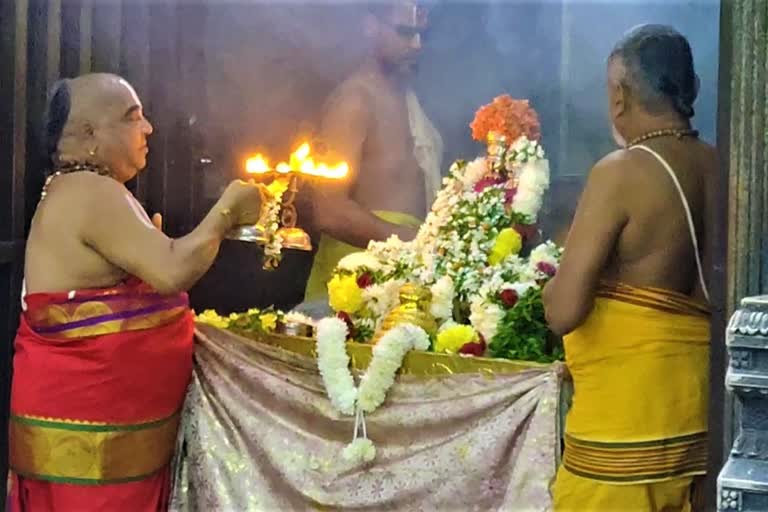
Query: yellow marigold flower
[
  {"x": 507, "y": 242},
  {"x": 453, "y": 338},
  {"x": 210, "y": 317},
  {"x": 268, "y": 321},
  {"x": 344, "y": 294}
]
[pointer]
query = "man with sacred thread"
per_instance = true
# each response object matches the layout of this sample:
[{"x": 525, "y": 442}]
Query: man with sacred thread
[
  {"x": 103, "y": 353},
  {"x": 631, "y": 295},
  {"x": 376, "y": 124}
]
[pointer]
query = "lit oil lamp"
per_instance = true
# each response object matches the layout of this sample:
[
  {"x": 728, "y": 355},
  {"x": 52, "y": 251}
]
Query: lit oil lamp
[{"x": 284, "y": 186}]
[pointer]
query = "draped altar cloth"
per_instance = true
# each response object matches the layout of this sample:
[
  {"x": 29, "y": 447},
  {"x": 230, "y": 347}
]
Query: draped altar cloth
[{"x": 259, "y": 433}]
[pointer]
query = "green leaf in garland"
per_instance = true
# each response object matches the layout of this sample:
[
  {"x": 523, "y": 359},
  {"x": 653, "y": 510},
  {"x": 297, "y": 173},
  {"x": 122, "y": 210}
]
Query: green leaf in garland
[{"x": 523, "y": 333}]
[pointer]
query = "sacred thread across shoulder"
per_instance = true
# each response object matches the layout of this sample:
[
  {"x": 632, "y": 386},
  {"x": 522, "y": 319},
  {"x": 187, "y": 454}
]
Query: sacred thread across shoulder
[{"x": 689, "y": 217}]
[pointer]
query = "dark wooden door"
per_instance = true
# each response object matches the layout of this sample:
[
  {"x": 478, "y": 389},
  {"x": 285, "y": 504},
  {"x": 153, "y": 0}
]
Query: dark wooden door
[{"x": 13, "y": 89}]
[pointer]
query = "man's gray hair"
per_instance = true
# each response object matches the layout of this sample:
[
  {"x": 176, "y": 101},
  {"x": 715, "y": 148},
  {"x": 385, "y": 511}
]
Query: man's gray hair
[{"x": 659, "y": 65}]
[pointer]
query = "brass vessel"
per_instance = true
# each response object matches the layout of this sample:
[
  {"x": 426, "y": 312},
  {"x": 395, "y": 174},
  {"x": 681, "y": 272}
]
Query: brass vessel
[
  {"x": 295, "y": 238},
  {"x": 253, "y": 234},
  {"x": 413, "y": 309}
]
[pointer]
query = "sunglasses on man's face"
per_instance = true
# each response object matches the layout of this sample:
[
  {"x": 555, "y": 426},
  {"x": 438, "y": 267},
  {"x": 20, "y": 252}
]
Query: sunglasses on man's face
[{"x": 408, "y": 32}]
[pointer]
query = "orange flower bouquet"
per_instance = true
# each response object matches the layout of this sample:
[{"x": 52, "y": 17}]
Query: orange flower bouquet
[{"x": 506, "y": 118}]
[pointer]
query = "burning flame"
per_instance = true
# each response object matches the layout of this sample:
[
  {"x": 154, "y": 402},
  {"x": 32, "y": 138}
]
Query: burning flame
[
  {"x": 257, "y": 165},
  {"x": 300, "y": 161}
]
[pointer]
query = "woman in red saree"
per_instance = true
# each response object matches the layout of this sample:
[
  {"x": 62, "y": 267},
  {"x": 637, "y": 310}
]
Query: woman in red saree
[{"x": 103, "y": 353}]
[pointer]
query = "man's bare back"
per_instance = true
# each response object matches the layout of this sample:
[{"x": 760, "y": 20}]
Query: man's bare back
[
  {"x": 631, "y": 227},
  {"x": 655, "y": 247},
  {"x": 57, "y": 259}
]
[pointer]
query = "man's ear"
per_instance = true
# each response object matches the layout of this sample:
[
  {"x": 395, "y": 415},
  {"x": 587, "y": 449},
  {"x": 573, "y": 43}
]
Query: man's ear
[
  {"x": 79, "y": 128},
  {"x": 621, "y": 99}
]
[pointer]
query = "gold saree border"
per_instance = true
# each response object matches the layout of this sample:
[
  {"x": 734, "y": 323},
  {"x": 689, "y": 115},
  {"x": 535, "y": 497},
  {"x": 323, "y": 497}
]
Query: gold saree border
[
  {"x": 637, "y": 462},
  {"x": 90, "y": 453},
  {"x": 419, "y": 364},
  {"x": 667, "y": 301},
  {"x": 99, "y": 320}
]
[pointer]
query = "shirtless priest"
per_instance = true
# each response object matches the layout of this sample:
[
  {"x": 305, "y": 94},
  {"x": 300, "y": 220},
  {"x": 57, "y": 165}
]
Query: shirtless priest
[{"x": 375, "y": 123}]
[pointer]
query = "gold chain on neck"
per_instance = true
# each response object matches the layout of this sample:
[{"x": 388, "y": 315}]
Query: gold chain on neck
[
  {"x": 667, "y": 132},
  {"x": 70, "y": 167}
]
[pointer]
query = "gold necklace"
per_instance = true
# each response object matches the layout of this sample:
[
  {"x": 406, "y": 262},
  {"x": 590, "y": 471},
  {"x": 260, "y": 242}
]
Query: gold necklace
[
  {"x": 666, "y": 132},
  {"x": 70, "y": 167}
]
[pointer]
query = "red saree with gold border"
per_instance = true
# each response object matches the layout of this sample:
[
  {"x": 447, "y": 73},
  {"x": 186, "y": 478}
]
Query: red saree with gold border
[{"x": 99, "y": 380}]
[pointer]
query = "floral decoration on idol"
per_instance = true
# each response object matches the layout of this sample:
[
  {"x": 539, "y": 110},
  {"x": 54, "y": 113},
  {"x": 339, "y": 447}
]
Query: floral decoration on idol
[{"x": 468, "y": 257}]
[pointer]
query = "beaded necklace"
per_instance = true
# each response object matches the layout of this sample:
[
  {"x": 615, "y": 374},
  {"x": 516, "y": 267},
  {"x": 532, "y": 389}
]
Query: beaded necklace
[
  {"x": 69, "y": 168},
  {"x": 676, "y": 132}
]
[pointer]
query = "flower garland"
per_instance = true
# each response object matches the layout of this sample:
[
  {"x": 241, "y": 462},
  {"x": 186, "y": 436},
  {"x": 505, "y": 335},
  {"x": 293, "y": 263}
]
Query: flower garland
[
  {"x": 345, "y": 396},
  {"x": 254, "y": 319},
  {"x": 506, "y": 117},
  {"x": 273, "y": 245}
]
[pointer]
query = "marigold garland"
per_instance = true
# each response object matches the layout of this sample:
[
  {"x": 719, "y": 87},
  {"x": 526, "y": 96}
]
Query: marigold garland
[{"x": 507, "y": 117}]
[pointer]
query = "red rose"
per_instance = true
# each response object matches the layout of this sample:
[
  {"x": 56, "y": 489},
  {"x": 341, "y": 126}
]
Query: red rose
[
  {"x": 527, "y": 231},
  {"x": 508, "y": 298},
  {"x": 488, "y": 181},
  {"x": 546, "y": 268},
  {"x": 344, "y": 317},
  {"x": 475, "y": 348},
  {"x": 509, "y": 195},
  {"x": 365, "y": 280}
]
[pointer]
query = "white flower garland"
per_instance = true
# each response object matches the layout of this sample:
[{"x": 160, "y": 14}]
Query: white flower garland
[
  {"x": 357, "y": 260},
  {"x": 381, "y": 298},
  {"x": 442, "y": 298},
  {"x": 273, "y": 246},
  {"x": 333, "y": 363},
  {"x": 526, "y": 158}
]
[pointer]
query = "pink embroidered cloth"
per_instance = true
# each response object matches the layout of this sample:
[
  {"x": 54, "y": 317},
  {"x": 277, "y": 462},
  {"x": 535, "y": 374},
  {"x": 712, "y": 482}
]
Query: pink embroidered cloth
[{"x": 260, "y": 434}]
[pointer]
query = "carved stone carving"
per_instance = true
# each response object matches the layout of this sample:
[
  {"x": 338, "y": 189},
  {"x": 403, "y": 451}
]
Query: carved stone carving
[
  {"x": 728, "y": 499},
  {"x": 743, "y": 482}
]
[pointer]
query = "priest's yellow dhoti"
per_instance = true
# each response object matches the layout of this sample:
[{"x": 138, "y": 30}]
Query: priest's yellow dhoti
[
  {"x": 636, "y": 434},
  {"x": 330, "y": 251}
]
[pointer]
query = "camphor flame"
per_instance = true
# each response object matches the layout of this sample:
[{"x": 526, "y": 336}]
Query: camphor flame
[
  {"x": 301, "y": 162},
  {"x": 257, "y": 165}
]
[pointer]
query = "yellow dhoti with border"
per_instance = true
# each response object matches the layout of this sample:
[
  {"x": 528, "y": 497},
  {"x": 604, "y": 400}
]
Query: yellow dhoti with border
[
  {"x": 636, "y": 434},
  {"x": 330, "y": 251}
]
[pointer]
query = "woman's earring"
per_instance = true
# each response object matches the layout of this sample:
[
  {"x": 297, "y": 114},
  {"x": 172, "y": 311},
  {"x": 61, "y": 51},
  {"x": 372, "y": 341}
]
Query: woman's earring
[{"x": 92, "y": 152}]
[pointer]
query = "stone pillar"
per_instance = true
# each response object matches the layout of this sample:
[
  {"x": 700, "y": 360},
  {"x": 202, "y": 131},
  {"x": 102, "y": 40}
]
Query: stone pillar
[
  {"x": 743, "y": 481},
  {"x": 748, "y": 151}
]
